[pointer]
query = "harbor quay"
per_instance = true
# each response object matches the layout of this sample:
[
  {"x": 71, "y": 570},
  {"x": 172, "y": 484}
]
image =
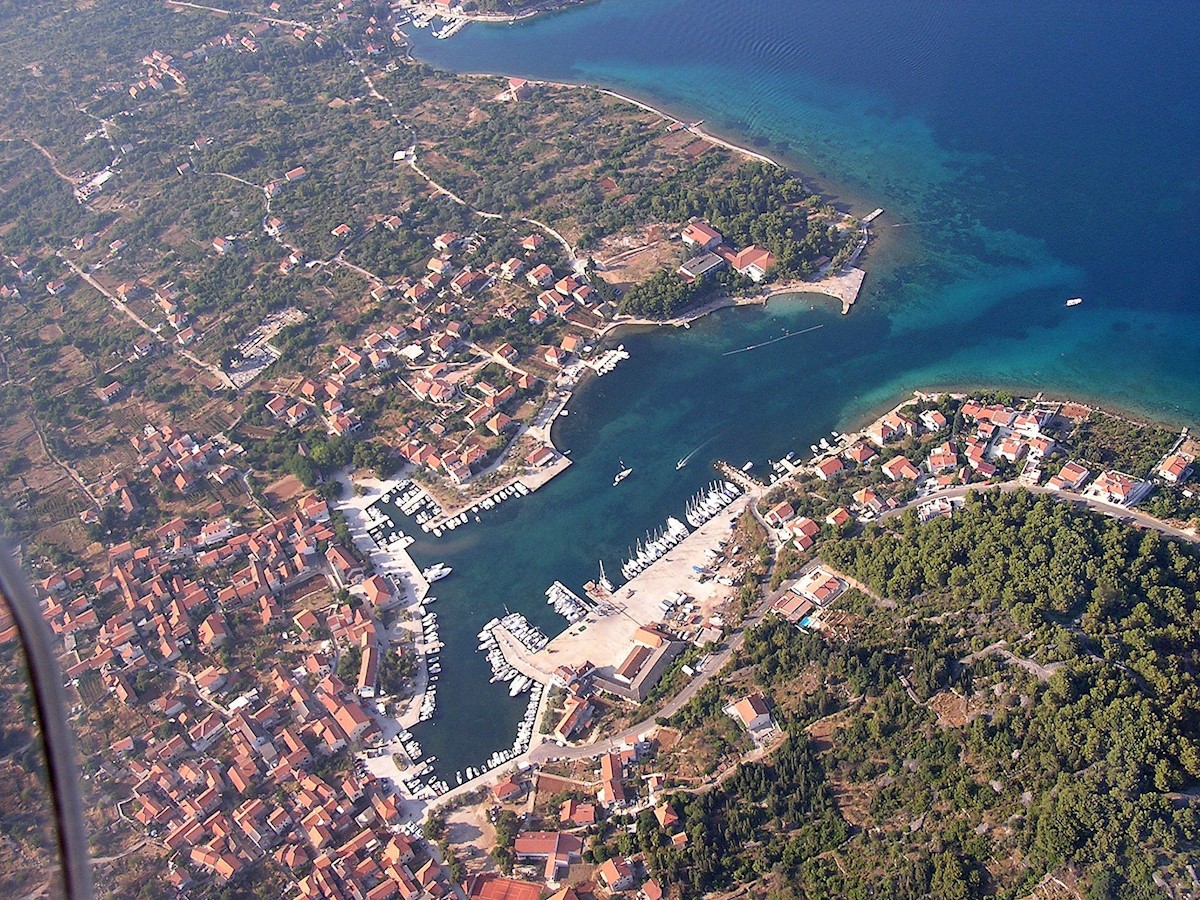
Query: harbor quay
[
  {"x": 394, "y": 561},
  {"x": 606, "y": 635},
  {"x": 606, "y": 639}
]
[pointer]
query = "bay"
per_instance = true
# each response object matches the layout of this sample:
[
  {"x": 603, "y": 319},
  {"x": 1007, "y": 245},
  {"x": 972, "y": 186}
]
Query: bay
[{"x": 1024, "y": 154}]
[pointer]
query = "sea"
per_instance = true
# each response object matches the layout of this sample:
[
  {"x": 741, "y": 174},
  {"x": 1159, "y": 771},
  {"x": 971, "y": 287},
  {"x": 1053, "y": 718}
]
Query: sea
[{"x": 1024, "y": 154}]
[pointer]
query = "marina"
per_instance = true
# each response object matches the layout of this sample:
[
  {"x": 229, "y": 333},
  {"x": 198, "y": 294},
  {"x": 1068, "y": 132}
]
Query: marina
[
  {"x": 653, "y": 548},
  {"x": 608, "y": 360}
]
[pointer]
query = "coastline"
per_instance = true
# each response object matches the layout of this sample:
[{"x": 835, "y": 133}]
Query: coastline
[
  {"x": 1106, "y": 405},
  {"x": 540, "y": 9},
  {"x": 844, "y": 287}
]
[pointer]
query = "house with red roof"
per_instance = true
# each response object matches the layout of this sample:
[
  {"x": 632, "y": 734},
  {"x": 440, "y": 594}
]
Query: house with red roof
[
  {"x": 779, "y": 513},
  {"x": 828, "y": 468},
  {"x": 1118, "y": 488},
  {"x": 557, "y": 849},
  {"x": 839, "y": 517},
  {"x": 859, "y": 453},
  {"x": 752, "y": 711},
  {"x": 511, "y": 268},
  {"x": 891, "y": 427},
  {"x": 899, "y": 468},
  {"x": 753, "y": 262},
  {"x": 933, "y": 420},
  {"x": 345, "y": 567},
  {"x": 540, "y": 275},
  {"x": 942, "y": 458},
  {"x": 615, "y": 874},
  {"x": 577, "y": 813},
  {"x": 819, "y": 586},
  {"x": 1176, "y": 468},
  {"x": 803, "y": 531},
  {"x": 701, "y": 236}
]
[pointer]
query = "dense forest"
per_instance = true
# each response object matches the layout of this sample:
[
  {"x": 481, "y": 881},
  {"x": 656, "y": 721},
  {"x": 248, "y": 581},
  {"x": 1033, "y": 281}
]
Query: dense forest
[{"x": 1024, "y": 704}]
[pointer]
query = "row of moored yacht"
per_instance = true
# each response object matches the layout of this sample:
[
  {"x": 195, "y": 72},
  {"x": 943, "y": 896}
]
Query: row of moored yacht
[
  {"x": 711, "y": 501},
  {"x": 566, "y": 602},
  {"x": 519, "y": 745},
  {"x": 654, "y": 548},
  {"x": 530, "y": 637},
  {"x": 516, "y": 489}
]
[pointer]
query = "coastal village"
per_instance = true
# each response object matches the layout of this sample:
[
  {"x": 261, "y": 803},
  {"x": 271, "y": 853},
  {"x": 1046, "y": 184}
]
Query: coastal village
[
  {"x": 245, "y": 645},
  {"x": 220, "y": 478},
  {"x": 147, "y": 635}
]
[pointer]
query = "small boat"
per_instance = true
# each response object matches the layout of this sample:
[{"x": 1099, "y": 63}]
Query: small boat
[
  {"x": 436, "y": 572},
  {"x": 747, "y": 467},
  {"x": 623, "y": 474},
  {"x": 1074, "y": 301}
]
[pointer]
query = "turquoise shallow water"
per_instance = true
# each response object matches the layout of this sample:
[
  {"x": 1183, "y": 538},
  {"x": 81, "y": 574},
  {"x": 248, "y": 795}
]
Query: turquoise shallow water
[{"x": 1024, "y": 154}]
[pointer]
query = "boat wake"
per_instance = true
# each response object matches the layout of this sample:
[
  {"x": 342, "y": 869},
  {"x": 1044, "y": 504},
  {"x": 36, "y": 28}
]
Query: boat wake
[
  {"x": 687, "y": 459},
  {"x": 790, "y": 334}
]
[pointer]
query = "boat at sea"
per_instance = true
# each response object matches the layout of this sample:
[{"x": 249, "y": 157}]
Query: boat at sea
[
  {"x": 623, "y": 474},
  {"x": 687, "y": 459},
  {"x": 1074, "y": 301}
]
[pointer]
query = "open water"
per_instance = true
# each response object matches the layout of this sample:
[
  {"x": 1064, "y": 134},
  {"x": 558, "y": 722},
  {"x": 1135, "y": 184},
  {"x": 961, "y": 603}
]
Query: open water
[{"x": 1025, "y": 153}]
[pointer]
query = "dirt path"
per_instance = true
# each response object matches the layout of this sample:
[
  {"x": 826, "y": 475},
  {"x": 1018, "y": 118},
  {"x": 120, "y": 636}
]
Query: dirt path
[
  {"x": 75, "y": 476},
  {"x": 116, "y": 301},
  {"x": 50, "y": 158}
]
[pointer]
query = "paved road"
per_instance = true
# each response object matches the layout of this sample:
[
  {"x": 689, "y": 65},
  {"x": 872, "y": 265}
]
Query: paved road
[{"x": 1109, "y": 509}]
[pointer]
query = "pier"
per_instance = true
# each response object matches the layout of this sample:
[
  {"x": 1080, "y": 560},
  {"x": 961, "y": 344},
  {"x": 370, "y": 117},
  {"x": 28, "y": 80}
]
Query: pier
[
  {"x": 605, "y": 640},
  {"x": 739, "y": 477},
  {"x": 872, "y": 216}
]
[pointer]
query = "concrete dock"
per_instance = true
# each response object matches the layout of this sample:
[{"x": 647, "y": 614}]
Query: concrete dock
[{"x": 606, "y": 640}]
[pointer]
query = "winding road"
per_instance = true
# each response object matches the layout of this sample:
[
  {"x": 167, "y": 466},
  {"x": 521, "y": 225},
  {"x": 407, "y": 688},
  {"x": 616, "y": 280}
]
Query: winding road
[{"x": 1134, "y": 516}]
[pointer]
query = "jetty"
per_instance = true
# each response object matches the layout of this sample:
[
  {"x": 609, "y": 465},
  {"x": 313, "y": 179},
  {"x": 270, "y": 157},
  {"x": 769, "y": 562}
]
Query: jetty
[
  {"x": 740, "y": 477},
  {"x": 605, "y": 636}
]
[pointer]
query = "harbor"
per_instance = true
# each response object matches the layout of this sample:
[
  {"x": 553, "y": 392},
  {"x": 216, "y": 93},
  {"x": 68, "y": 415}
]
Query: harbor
[{"x": 605, "y": 635}]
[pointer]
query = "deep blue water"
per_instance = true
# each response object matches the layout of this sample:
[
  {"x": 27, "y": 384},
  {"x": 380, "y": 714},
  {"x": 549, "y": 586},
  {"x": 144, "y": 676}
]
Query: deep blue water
[{"x": 1024, "y": 152}]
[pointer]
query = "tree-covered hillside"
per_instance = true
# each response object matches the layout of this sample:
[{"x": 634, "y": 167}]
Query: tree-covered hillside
[{"x": 1017, "y": 703}]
